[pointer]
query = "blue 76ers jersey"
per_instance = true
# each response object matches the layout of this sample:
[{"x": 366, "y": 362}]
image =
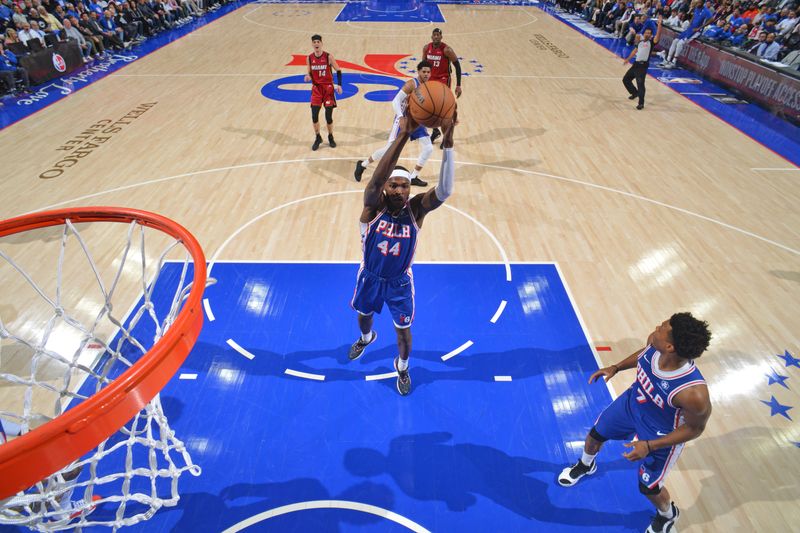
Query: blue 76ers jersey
[
  {"x": 653, "y": 391},
  {"x": 389, "y": 243}
]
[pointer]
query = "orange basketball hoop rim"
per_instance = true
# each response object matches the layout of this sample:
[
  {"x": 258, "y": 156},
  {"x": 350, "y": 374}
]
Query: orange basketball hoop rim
[{"x": 32, "y": 457}]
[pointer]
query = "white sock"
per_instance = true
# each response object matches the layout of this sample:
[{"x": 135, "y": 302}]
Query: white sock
[
  {"x": 402, "y": 364},
  {"x": 414, "y": 174},
  {"x": 366, "y": 337},
  {"x": 668, "y": 513},
  {"x": 587, "y": 459},
  {"x": 365, "y": 163}
]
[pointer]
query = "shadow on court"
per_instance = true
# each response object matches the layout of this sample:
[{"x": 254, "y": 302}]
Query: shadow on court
[
  {"x": 426, "y": 367},
  {"x": 429, "y": 466}
]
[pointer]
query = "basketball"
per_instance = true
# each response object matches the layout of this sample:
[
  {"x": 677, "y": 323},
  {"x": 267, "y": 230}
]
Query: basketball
[{"x": 431, "y": 103}]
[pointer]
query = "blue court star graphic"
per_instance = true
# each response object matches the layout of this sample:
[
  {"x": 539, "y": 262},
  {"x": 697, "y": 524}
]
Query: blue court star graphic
[
  {"x": 789, "y": 359},
  {"x": 776, "y": 408},
  {"x": 777, "y": 378},
  {"x": 796, "y": 443}
]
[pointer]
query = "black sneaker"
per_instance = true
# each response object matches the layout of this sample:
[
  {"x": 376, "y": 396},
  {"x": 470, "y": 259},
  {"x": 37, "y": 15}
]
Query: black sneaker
[
  {"x": 572, "y": 474},
  {"x": 435, "y": 134},
  {"x": 403, "y": 379},
  {"x": 331, "y": 141},
  {"x": 662, "y": 524},
  {"x": 418, "y": 182},
  {"x": 357, "y": 349},
  {"x": 640, "y": 106},
  {"x": 633, "y": 97},
  {"x": 316, "y": 144},
  {"x": 360, "y": 168}
]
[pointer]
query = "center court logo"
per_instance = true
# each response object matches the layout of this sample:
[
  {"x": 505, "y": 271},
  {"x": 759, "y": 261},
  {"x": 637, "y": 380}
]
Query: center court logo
[
  {"x": 59, "y": 63},
  {"x": 378, "y": 71}
]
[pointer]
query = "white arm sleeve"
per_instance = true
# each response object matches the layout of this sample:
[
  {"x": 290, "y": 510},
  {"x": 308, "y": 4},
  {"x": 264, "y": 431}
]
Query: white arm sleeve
[
  {"x": 398, "y": 102},
  {"x": 446, "y": 175}
]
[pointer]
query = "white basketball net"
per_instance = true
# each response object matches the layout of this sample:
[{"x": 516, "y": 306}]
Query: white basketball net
[{"x": 76, "y": 346}]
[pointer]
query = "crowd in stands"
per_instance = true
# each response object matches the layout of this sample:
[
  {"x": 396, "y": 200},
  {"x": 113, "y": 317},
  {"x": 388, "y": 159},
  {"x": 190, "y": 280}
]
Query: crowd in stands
[
  {"x": 96, "y": 26},
  {"x": 767, "y": 29}
]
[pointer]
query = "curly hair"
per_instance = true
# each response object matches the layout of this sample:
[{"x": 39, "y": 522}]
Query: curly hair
[{"x": 690, "y": 336}]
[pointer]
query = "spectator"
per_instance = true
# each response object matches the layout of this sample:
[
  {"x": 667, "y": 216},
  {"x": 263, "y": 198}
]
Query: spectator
[
  {"x": 52, "y": 23},
  {"x": 768, "y": 49},
  {"x": 96, "y": 40},
  {"x": 36, "y": 20},
  {"x": 6, "y": 11},
  {"x": 163, "y": 16},
  {"x": 28, "y": 33},
  {"x": 674, "y": 19},
  {"x": 196, "y": 10},
  {"x": 752, "y": 46},
  {"x": 634, "y": 28},
  {"x": 110, "y": 28},
  {"x": 648, "y": 22},
  {"x": 72, "y": 12},
  {"x": 736, "y": 19},
  {"x": 600, "y": 12},
  {"x": 751, "y": 13},
  {"x": 60, "y": 14},
  {"x": 786, "y": 25},
  {"x": 92, "y": 6},
  {"x": 134, "y": 30},
  {"x": 762, "y": 13},
  {"x": 18, "y": 18},
  {"x": 770, "y": 25},
  {"x": 714, "y": 31},
  {"x": 110, "y": 39},
  {"x": 73, "y": 34},
  {"x": 621, "y": 24},
  {"x": 9, "y": 69},
  {"x": 588, "y": 9},
  {"x": 150, "y": 24},
  {"x": 179, "y": 13},
  {"x": 11, "y": 37},
  {"x": 739, "y": 38},
  {"x": 700, "y": 16}
]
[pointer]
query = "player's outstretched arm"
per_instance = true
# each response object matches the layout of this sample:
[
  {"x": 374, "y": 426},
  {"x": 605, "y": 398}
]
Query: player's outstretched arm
[
  {"x": 372, "y": 194},
  {"x": 401, "y": 97},
  {"x": 424, "y": 203},
  {"x": 610, "y": 371}
]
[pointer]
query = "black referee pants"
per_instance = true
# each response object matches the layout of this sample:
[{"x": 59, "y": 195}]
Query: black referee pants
[{"x": 638, "y": 71}]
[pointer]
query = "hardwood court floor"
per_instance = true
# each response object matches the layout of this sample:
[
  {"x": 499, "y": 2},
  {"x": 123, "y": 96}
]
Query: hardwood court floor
[{"x": 647, "y": 213}]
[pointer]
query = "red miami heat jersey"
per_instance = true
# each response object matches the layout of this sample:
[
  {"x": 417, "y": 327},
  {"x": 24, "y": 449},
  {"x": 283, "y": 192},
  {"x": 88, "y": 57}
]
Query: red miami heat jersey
[
  {"x": 320, "y": 69},
  {"x": 440, "y": 64}
]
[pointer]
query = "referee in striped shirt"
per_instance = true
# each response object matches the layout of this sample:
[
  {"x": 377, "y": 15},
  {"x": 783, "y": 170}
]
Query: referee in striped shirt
[{"x": 638, "y": 71}]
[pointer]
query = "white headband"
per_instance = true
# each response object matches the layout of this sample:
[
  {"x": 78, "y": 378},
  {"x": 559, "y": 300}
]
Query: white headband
[{"x": 400, "y": 173}]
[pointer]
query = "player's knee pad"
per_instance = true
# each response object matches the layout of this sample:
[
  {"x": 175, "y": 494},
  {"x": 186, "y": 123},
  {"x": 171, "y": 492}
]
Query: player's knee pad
[
  {"x": 426, "y": 149},
  {"x": 597, "y": 436},
  {"x": 314, "y": 114},
  {"x": 647, "y": 491},
  {"x": 329, "y": 115}
]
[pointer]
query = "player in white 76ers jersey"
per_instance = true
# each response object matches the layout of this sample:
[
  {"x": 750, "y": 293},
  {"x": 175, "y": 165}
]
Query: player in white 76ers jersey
[
  {"x": 389, "y": 225},
  {"x": 667, "y": 405}
]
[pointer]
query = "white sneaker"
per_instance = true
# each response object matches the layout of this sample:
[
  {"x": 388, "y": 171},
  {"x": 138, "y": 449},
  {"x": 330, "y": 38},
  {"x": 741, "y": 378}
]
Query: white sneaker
[{"x": 572, "y": 474}]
